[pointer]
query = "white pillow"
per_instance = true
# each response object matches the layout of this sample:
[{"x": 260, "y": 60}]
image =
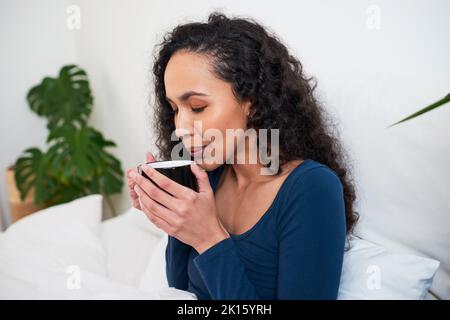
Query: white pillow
[
  {"x": 372, "y": 272},
  {"x": 38, "y": 254},
  {"x": 44, "y": 249},
  {"x": 129, "y": 241},
  {"x": 155, "y": 276}
]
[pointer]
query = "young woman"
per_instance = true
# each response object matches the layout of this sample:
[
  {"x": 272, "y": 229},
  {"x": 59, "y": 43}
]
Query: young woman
[{"x": 245, "y": 235}]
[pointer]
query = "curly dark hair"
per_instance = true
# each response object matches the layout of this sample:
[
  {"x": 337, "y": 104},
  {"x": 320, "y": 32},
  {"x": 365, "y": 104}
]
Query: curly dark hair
[{"x": 259, "y": 67}]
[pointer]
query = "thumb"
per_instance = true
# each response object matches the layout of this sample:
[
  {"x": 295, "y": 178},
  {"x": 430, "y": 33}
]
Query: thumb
[
  {"x": 202, "y": 178},
  {"x": 150, "y": 157}
]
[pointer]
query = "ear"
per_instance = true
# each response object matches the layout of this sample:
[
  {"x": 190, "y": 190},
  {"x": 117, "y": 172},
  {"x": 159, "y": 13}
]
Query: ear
[{"x": 247, "y": 106}]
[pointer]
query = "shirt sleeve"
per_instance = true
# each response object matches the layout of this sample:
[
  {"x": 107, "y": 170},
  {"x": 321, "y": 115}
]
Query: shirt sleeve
[
  {"x": 177, "y": 256},
  {"x": 311, "y": 226},
  {"x": 223, "y": 273},
  {"x": 312, "y": 231}
]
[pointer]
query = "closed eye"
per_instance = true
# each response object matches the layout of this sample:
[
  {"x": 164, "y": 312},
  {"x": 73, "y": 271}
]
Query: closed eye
[
  {"x": 195, "y": 110},
  {"x": 198, "y": 110}
]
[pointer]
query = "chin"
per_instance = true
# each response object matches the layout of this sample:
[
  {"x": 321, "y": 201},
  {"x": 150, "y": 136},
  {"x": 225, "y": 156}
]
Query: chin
[{"x": 208, "y": 166}]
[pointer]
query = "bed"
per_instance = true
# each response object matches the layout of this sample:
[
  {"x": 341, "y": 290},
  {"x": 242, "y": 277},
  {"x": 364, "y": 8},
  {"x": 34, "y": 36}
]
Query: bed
[{"x": 68, "y": 252}]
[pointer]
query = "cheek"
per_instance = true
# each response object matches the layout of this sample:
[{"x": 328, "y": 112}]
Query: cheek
[
  {"x": 227, "y": 117},
  {"x": 232, "y": 121}
]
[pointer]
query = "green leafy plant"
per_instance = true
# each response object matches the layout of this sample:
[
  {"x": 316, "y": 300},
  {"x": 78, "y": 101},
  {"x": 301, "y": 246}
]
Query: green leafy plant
[
  {"x": 426, "y": 109},
  {"x": 76, "y": 163}
]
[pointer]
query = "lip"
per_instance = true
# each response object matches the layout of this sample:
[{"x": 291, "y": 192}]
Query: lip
[{"x": 197, "y": 150}]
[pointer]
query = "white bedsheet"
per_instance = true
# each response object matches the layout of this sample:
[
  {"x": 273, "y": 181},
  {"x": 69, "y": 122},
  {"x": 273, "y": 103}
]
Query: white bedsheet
[{"x": 53, "y": 285}]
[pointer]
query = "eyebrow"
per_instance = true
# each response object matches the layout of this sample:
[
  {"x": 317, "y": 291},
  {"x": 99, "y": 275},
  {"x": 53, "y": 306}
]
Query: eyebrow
[{"x": 188, "y": 94}]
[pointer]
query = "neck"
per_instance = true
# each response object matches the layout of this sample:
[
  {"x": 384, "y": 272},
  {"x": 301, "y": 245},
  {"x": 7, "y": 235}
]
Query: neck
[{"x": 248, "y": 173}]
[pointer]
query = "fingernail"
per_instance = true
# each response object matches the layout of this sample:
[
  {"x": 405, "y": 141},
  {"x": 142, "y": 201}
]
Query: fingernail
[{"x": 133, "y": 174}]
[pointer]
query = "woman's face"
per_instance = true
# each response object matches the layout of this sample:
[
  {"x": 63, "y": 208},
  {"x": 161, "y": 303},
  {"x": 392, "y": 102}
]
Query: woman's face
[{"x": 197, "y": 95}]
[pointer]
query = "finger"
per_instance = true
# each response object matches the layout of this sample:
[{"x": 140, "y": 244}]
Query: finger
[
  {"x": 165, "y": 183},
  {"x": 158, "y": 222},
  {"x": 134, "y": 199},
  {"x": 133, "y": 194},
  {"x": 131, "y": 170},
  {"x": 137, "y": 204},
  {"x": 155, "y": 193},
  {"x": 130, "y": 183},
  {"x": 130, "y": 180},
  {"x": 155, "y": 208},
  {"x": 202, "y": 178},
  {"x": 150, "y": 157}
]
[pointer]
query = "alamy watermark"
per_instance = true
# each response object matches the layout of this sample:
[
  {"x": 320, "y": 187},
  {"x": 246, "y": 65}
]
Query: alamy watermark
[
  {"x": 374, "y": 279},
  {"x": 213, "y": 152},
  {"x": 73, "y": 281},
  {"x": 73, "y": 21},
  {"x": 373, "y": 21}
]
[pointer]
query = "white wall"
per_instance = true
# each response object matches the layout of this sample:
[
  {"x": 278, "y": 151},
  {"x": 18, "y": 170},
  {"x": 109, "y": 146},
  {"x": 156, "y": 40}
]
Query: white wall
[
  {"x": 368, "y": 79},
  {"x": 34, "y": 42}
]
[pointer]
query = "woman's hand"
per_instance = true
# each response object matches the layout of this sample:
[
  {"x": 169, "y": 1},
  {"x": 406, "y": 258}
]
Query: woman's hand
[
  {"x": 133, "y": 195},
  {"x": 181, "y": 212}
]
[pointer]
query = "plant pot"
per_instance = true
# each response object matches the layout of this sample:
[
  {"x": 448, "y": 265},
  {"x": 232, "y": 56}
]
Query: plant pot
[{"x": 19, "y": 208}]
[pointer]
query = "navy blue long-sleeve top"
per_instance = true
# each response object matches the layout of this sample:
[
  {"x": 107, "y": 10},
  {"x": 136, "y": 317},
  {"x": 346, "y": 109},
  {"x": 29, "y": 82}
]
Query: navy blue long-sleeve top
[{"x": 294, "y": 251}]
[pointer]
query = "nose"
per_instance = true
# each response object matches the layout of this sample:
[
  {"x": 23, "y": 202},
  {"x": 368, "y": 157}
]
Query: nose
[
  {"x": 186, "y": 129},
  {"x": 183, "y": 125}
]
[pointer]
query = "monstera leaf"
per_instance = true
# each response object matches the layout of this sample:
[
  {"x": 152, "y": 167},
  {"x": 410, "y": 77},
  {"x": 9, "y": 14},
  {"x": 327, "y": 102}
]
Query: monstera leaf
[
  {"x": 77, "y": 162},
  {"x": 80, "y": 154},
  {"x": 65, "y": 100},
  {"x": 32, "y": 170},
  {"x": 75, "y": 165}
]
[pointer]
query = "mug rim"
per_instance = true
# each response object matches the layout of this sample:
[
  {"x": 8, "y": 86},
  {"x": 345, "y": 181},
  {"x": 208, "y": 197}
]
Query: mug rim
[{"x": 166, "y": 164}]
